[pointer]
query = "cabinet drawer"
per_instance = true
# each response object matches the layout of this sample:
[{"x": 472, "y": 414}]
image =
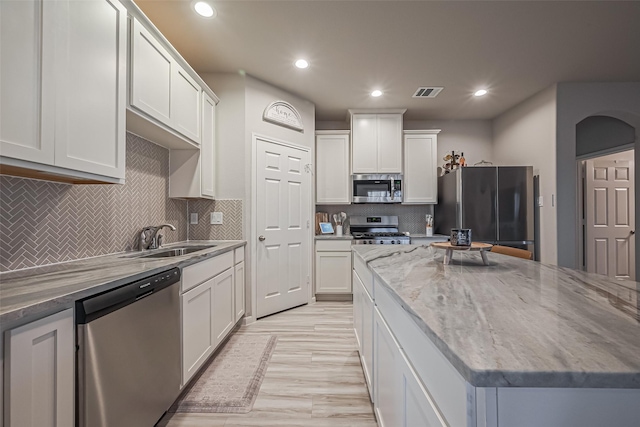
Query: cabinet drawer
[
  {"x": 333, "y": 245},
  {"x": 442, "y": 381},
  {"x": 195, "y": 274},
  {"x": 239, "y": 255},
  {"x": 365, "y": 274}
]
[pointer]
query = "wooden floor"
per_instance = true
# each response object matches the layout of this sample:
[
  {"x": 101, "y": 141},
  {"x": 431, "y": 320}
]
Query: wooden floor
[{"x": 314, "y": 377}]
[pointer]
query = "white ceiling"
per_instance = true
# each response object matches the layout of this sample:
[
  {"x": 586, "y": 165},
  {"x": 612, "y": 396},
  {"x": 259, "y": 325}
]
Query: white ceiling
[{"x": 513, "y": 48}]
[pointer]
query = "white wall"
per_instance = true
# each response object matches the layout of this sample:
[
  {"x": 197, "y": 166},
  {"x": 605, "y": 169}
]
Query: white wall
[
  {"x": 525, "y": 135},
  {"x": 230, "y": 143},
  {"x": 243, "y": 100},
  {"x": 472, "y": 137},
  {"x": 575, "y": 102}
]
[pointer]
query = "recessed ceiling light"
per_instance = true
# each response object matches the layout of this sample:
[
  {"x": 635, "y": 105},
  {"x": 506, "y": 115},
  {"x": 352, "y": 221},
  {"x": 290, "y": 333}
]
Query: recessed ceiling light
[
  {"x": 301, "y": 63},
  {"x": 480, "y": 92},
  {"x": 376, "y": 93},
  {"x": 203, "y": 8}
]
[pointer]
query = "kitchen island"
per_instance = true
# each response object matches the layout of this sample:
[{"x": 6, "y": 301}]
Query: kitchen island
[{"x": 517, "y": 342}]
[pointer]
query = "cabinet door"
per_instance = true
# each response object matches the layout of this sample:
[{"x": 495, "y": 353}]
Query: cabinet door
[
  {"x": 367, "y": 340},
  {"x": 223, "y": 307},
  {"x": 185, "y": 103},
  {"x": 40, "y": 373},
  {"x": 90, "y": 68},
  {"x": 420, "y": 169},
  {"x": 151, "y": 71},
  {"x": 386, "y": 354},
  {"x": 207, "y": 147},
  {"x": 389, "y": 143},
  {"x": 357, "y": 309},
  {"x": 333, "y": 272},
  {"x": 364, "y": 128},
  {"x": 332, "y": 169},
  {"x": 239, "y": 290},
  {"x": 417, "y": 408},
  {"x": 197, "y": 328},
  {"x": 26, "y": 81}
]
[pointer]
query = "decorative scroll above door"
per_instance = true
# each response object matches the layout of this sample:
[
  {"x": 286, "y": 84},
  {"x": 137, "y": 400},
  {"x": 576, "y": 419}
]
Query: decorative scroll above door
[{"x": 284, "y": 114}]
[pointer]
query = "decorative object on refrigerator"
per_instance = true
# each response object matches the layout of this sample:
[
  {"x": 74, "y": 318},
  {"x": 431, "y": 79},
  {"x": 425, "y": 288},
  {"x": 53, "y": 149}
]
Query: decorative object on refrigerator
[
  {"x": 429, "y": 225},
  {"x": 452, "y": 162},
  {"x": 460, "y": 237},
  {"x": 463, "y": 162}
]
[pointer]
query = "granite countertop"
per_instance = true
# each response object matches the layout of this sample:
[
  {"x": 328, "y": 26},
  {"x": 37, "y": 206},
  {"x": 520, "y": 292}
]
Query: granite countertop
[
  {"x": 29, "y": 294},
  {"x": 334, "y": 237},
  {"x": 517, "y": 323}
]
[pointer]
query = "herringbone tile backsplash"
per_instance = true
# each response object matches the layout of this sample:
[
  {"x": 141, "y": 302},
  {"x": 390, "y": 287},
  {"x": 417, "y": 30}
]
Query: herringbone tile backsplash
[
  {"x": 231, "y": 227},
  {"x": 43, "y": 222}
]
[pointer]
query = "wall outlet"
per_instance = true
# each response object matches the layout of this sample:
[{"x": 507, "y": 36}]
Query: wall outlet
[
  {"x": 216, "y": 218},
  {"x": 194, "y": 218}
]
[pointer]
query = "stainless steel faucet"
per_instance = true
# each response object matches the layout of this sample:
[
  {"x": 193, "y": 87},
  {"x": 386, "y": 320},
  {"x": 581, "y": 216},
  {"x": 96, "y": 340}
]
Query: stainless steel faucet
[{"x": 149, "y": 237}]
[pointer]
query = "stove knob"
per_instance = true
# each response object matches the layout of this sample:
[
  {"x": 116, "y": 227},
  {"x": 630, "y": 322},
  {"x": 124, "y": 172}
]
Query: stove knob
[{"x": 393, "y": 242}]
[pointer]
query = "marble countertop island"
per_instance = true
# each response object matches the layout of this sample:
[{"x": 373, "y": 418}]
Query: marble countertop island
[
  {"x": 33, "y": 293},
  {"x": 516, "y": 323}
]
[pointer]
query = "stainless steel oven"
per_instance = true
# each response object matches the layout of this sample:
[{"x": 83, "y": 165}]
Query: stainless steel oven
[{"x": 377, "y": 188}]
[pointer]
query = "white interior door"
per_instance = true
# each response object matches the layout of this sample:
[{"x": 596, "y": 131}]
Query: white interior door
[
  {"x": 610, "y": 217},
  {"x": 283, "y": 191}
]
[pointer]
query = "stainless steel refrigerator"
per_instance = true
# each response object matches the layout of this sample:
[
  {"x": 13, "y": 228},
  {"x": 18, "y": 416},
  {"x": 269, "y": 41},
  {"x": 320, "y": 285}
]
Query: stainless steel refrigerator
[{"x": 495, "y": 202}]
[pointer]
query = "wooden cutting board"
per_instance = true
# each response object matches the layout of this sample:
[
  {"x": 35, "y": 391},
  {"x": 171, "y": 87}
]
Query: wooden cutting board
[{"x": 483, "y": 248}]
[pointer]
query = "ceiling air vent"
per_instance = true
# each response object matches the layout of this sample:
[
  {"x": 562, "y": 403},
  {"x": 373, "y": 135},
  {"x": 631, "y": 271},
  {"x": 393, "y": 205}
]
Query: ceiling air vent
[{"x": 427, "y": 92}]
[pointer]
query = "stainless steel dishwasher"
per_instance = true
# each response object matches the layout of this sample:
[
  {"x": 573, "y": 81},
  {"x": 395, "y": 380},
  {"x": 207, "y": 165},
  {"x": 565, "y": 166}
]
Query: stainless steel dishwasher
[{"x": 129, "y": 353}]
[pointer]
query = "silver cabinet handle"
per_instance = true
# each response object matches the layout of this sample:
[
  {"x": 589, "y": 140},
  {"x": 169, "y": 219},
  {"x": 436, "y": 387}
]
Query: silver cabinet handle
[{"x": 262, "y": 238}]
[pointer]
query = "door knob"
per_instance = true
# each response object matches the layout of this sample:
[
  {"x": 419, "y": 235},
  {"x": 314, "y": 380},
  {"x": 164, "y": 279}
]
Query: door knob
[
  {"x": 632, "y": 232},
  {"x": 262, "y": 238}
]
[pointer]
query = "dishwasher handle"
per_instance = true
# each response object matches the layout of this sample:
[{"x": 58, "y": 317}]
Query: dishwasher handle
[{"x": 96, "y": 306}]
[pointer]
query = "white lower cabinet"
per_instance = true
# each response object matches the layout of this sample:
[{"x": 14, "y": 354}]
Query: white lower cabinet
[
  {"x": 223, "y": 308},
  {"x": 39, "y": 371},
  {"x": 386, "y": 375},
  {"x": 367, "y": 340},
  {"x": 198, "y": 340},
  {"x": 239, "y": 290},
  {"x": 209, "y": 309},
  {"x": 333, "y": 267},
  {"x": 416, "y": 406},
  {"x": 357, "y": 309}
]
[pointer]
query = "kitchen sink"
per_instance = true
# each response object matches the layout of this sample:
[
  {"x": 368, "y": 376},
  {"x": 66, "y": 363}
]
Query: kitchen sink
[{"x": 167, "y": 253}]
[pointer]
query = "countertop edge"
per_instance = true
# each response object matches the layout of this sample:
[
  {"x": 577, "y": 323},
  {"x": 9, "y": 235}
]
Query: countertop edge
[
  {"x": 505, "y": 378},
  {"x": 40, "y": 309}
]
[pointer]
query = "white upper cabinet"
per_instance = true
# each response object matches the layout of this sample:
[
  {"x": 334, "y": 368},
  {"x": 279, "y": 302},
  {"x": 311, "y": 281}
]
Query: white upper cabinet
[
  {"x": 90, "y": 117},
  {"x": 191, "y": 172},
  {"x": 63, "y": 84},
  {"x": 364, "y": 143},
  {"x": 207, "y": 148},
  {"x": 151, "y": 71},
  {"x": 165, "y": 103},
  {"x": 389, "y": 143},
  {"x": 332, "y": 167},
  {"x": 185, "y": 104},
  {"x": 376, "y": 143},
  {"x": 420, "y": 166},
  {"x": 26, "y": 81}
]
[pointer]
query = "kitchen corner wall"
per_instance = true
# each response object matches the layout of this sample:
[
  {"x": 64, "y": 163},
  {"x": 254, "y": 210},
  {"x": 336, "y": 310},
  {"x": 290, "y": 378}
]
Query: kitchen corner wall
[
  {"x": 231, "y": 227},
  {"x": 44, "y": 222}
]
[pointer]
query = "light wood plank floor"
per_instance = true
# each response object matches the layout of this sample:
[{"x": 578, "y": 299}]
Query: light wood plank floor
[{"x": 314, "y": 378}]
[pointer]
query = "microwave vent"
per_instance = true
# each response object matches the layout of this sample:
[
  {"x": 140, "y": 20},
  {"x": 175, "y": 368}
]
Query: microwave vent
[{"x": 427, "y": 92}]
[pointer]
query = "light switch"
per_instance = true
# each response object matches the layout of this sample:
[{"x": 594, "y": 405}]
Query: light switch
[
  {"x": 216, "y": 218},
  {"x": 194, "y": 218},
  {"x": 540, "y": 203}
]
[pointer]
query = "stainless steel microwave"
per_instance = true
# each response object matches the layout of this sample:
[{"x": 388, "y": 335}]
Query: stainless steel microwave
[{"x": 377, "y": 188}]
